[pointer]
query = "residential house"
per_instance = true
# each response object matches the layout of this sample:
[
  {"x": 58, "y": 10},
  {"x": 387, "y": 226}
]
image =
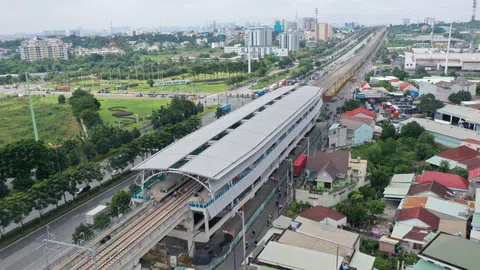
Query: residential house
[
  {"x": 365, "y": 120},
  {"x": 327, "y": 169},
  {"x": 410, "y": 236},
  {"x": 306, "y": 243},
  {"x": 337, "y": 136},
  {"x": 377, "y": 80},
  {"x": 418, "y": 217},
  {"x": 399, "y": 186},
  {"x": 430, "y": 189},
  {"x": 357, "y": 132},
  {"x": 475, "y": 232},
  {"x": 447, "y": 251},
  {"x": 453, "y": 215},
  {"x": 445, "y": 134},
  {"x": 474, "y": 175},
  {"x": 452, "y": 181},
  {"x": 324, "y": 215},
  {"x": 361, "y": 112},
  {"x": 462, "y": 157},
  {"x": 330, "y": 177},
  {"x": 474, "y": 144}
]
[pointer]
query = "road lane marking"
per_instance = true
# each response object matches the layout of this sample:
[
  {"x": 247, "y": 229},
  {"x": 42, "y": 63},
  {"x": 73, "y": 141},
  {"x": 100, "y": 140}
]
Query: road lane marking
[
  {"x": 75, "y": 216},
  {"x": 40, "y": 237}
]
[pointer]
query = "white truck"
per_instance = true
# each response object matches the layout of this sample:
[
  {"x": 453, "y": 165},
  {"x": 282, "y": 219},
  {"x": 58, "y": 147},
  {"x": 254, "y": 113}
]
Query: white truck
[{"x": 90, "y": 216}]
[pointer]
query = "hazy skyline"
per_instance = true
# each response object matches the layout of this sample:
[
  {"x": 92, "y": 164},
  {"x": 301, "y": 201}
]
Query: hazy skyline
[{"x": 35, "y": 16}]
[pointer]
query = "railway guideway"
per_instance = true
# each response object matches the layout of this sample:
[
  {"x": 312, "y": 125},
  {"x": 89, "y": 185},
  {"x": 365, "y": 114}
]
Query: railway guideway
[{"x": 125, "y": 250}]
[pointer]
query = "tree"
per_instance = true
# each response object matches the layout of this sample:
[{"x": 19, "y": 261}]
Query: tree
[
  {"x": 375, "y": 207},
  {"x": 219, "y": 112},
  {"x": 356, "y": 214},
  {"x": 380, "y": 177},
  {"x": 88, "y": 172},
  {"x": 402, "y": 169},
  {"x": 81, "y": 234},
  {"x": 150, "y": 82},
  {"x": 355, "y": 196},
  {"x": 374, "y": 153},
  {"x": 400, "y": 74},
  {"x": 40, "y": 198},
  {"x": 389, "y": 131},
  {"x": 382, "y": 264},
  {"x": 460, "y": 96},
  {"x": 350, "y": 105},
  {"x": 389, "y": 147},
  {"x": 426, "y": 138},
  {"x": 101, "y": 221},
  {"x": 102, "y": 146},
  {"x": 19, "y": 205},
  {"x": 422, "y": 151},
  {"x": 61, "y": 99},
  {"x": 5, "y": 217},
  {"x": 3, "y": 190},
  {"x": 444, "y": 166},
  {"x": 120, "y": 202},
  {"x": 412, "y": 129},
  {"x": 428, "y": 104},
  {"x": 460, "y": 171}
]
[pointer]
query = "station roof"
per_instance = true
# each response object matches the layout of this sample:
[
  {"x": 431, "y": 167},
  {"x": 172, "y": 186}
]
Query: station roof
[{"x": 239, "y": 143}]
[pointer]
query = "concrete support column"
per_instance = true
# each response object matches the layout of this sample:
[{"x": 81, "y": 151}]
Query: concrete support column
[
  {"x": 191, "y": 234},
  {"x": 205, "y": 218}
]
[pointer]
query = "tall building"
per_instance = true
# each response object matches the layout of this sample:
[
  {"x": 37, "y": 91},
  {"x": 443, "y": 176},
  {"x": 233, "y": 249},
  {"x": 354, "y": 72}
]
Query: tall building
[
  {"x": 323, "y": 31},
  {"x": 278, "y": 26},
  {"x": 290, "y": 26},
  {"x": 33, "y": 49},
  {"x": 290, "y": 41},
  {"x": 406, "y": 21},
  {"x": 259, "y": 36},
  {"x": 308, "y": 24},
  {"x": 430, "y": 21}
]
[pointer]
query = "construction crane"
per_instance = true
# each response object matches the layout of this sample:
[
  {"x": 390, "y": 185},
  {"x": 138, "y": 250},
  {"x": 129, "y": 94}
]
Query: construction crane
[{"x": 474, "y": 7}]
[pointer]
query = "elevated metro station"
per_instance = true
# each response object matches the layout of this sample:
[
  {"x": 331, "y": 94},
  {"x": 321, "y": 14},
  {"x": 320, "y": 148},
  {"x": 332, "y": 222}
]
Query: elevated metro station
[{"x": 232, "y": 157}]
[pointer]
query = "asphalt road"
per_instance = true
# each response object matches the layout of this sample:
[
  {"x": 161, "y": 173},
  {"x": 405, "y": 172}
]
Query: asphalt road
[{"x": 29, "y": 250}]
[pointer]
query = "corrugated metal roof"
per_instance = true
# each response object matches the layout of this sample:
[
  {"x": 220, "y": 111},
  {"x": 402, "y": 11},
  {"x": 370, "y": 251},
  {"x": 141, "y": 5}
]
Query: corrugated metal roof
[
  {"x": 444, "y": 129},
  {"x": 436, "y": 160},
  {"x": 241, "y": 143},
  {"x": 425, "y": 265},
  {"x": 362, "y": 261},
  {"x": 396, "y": 190},
  {"x": 469, "y": 114},
  {"x": 400, "y": 230},
  {"x": 175, "y": 152},
  {"x": 327, "y": 232},
  {"x": 403, "y": 178},
  {"x": 291, "y": 257},
  {"x": 449, "y": 208}
]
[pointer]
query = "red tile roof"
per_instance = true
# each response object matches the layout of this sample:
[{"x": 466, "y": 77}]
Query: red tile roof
[
  {"x": 447, "y": 179},
  {"x": 474, "y": 173},
  {"x": 460, "y": 153},
  {"x": 419, "y": 213},
  {"x": 360, "y": 111},
  {"x": 319, "y": 213},
  {"x": 471, "y": 141},
  {"x": 416, "y": 235},
  {"x": 403, "y": 85},
  {"x": 431, "y": 186},
  {"x": 471, "y": 163},
  {"x": 364, "y": 84}
]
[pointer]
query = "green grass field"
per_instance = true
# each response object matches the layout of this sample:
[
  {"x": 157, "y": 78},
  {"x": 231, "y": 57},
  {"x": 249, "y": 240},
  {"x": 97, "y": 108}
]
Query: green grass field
[
  {"x": 202, "y": 87},
  {"x": 54, "y": 121},
  {"x": 142, "y": 107}
]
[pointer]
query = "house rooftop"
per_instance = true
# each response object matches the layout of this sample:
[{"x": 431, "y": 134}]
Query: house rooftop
[
  {"x": 403, "y": 178},
  {"x": 471, "y": 141},
  {"x": 396, "y": 190},
  {"x": 419, "y": 213},
  {"x": 326, "y": 232},
  {"x": 360, "y": 111},
  {"x": 449, "y": 180},
  {"x": 452, "y": 251},
  {"x": 469, "y": 114},
  {"x": 334, "y": 163},
  {"x": 364, "y": 120},
  {"x": 431, "y": 186},
  {"x": 471, "y": 163},
  {"x": 459, "y": 153},
  {"x": 319, "y": 213},
  {"x": 448, "y": 130},
  {"x": 412, "y": 202},
  {"x": 352, "y": 124},
  {"x": 447, "y": 209}
]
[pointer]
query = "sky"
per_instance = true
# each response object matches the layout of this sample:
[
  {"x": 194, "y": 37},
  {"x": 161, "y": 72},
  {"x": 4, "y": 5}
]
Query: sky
[{"x": 34, "y": 16}]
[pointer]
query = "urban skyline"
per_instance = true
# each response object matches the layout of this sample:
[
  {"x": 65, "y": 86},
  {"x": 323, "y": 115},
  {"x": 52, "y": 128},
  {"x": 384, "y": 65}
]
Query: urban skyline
[{"x": 148, "y": 14}]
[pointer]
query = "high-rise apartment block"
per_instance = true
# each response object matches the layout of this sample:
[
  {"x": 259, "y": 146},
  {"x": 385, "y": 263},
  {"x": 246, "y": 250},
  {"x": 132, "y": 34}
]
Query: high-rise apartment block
[
  {"x": 258, "y": 36},
  {"x": 406, "y": 21},
  {"x": 290, "y": 41},
  {"x": 308, "y": 24},
  {"x": 323, "y": 31},
  {"x": 430, "y": 21},
  {"x": 34, "y": 49}
]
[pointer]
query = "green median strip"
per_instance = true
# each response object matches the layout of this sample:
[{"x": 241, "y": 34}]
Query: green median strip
[{"x": 33, "y": 225}]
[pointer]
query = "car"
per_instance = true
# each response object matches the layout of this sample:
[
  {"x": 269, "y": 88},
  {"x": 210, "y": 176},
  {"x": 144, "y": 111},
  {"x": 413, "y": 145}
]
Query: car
[
  {"x": 84, "y": 189},
  {"x": 115, "y": 172}
]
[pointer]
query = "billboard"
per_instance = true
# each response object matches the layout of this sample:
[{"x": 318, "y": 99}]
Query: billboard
[
  {"x": 178, "y": 82},
  {"x": 280, "y": 52}
]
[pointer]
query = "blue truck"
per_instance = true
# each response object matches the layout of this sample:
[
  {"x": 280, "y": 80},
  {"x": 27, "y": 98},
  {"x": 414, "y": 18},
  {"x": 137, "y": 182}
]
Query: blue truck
[
  {"x": 260, "y": 93},
  {"x": 226, "y": 108}
]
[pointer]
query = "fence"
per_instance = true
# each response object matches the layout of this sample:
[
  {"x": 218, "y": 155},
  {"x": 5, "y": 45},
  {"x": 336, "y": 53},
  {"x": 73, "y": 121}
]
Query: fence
[{"x": 237, "y": 238}]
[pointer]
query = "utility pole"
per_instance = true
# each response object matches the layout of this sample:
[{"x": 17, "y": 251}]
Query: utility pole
[
  {"x": 34, "y": 121},
  {"x": 448, "y": 48},
  {"x": 249, "y": 51}
]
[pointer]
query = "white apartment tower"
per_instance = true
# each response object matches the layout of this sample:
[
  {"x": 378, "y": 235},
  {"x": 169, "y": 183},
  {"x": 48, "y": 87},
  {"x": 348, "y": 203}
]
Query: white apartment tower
[
  {"x": 406, "y": 21},
  {"x": 308, "y": 24},
  {"x": 35, "y": 49},
  {"x": 290, "y": 41},
  {"x": 258, "y": 36},
  {"x": 323, "y": 31}
]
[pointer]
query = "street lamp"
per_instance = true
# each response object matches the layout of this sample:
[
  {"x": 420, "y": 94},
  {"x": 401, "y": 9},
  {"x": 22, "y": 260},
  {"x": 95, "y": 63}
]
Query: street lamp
[
  {"x": 242, "y": 215},
  {"x": 58, "y": 159}
]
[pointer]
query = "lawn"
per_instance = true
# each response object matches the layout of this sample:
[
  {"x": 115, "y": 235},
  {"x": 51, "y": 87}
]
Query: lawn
[
  {"x": 202, "y": 87},
  {"x": 142, "y": 107},
  {"x": 54, "y": 121}
]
